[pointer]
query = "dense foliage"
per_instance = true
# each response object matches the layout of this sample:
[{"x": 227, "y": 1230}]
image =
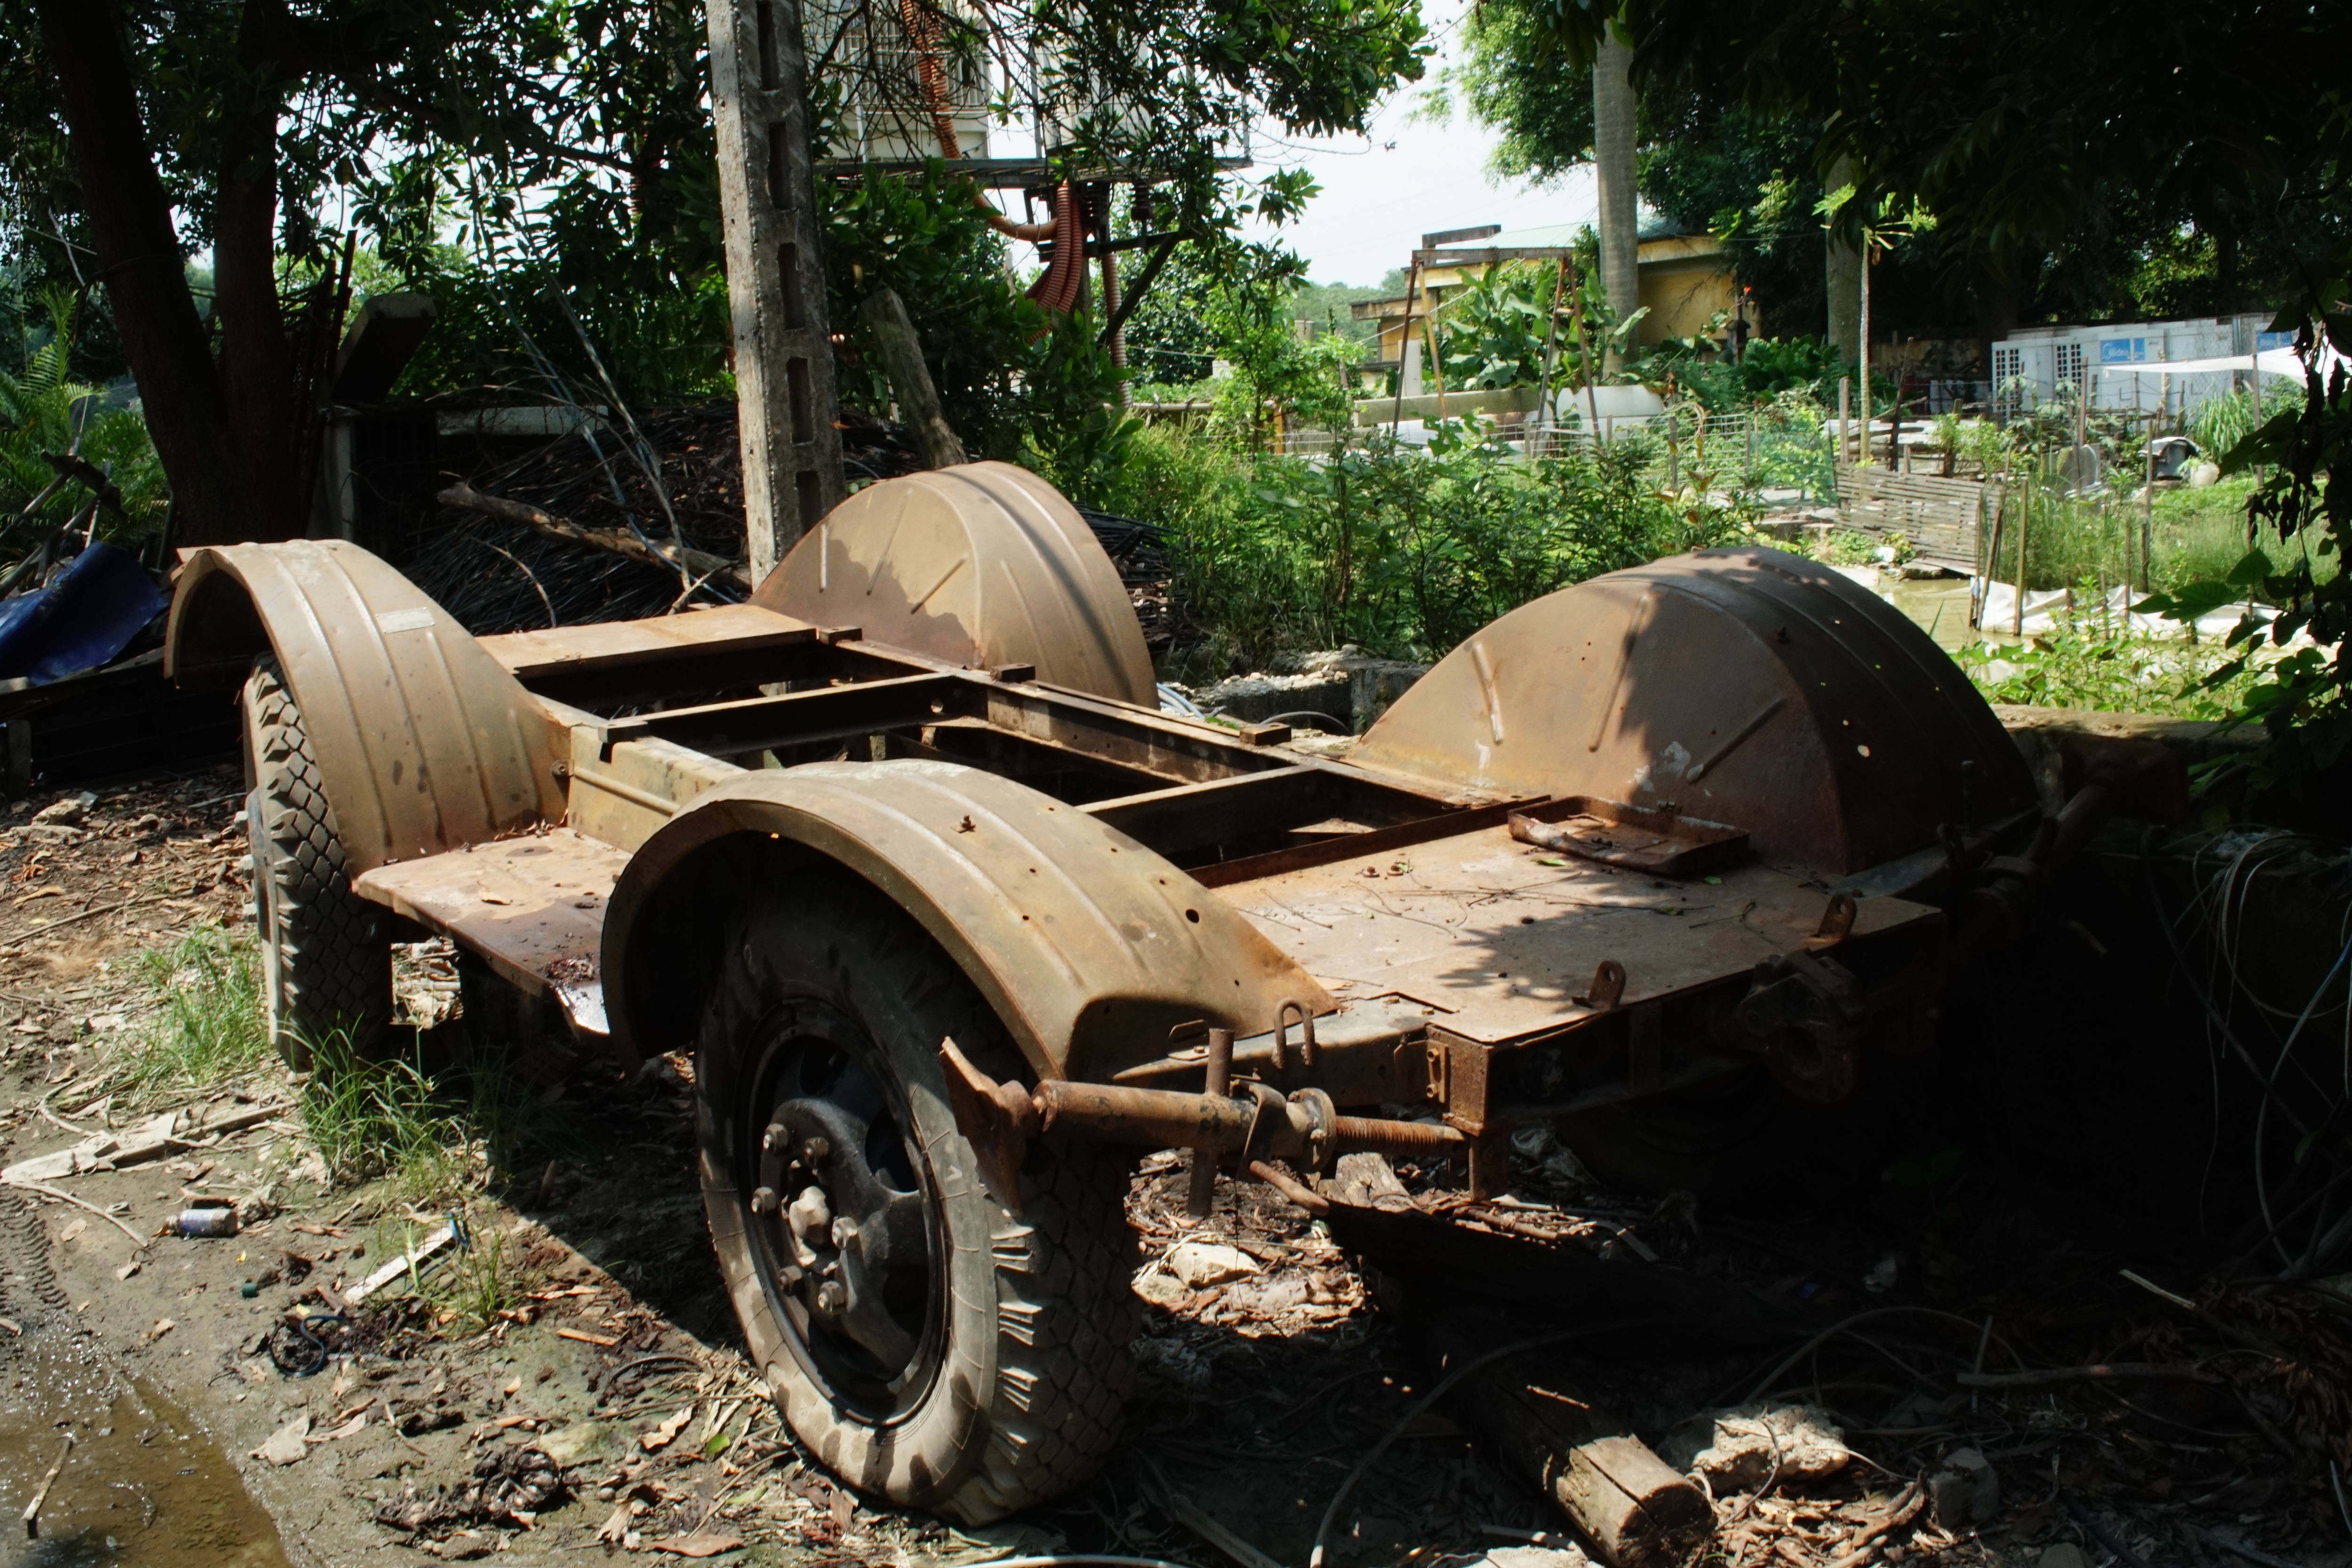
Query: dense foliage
[
  {"x": 1397, "y": 552},
  {"x": 44, "y": 411},
  {"x": 570, "y": 152}
]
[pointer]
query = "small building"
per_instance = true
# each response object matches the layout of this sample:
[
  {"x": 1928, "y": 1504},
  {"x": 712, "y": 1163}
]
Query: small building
[
  {"x": 1684, "y": 281},
  {"x": 2119, "y": 366}
]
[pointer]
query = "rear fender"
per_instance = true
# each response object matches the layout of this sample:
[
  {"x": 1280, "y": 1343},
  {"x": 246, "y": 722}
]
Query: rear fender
[
  {"x": 1087, "y": 945},
  {"x": 424, "y": 741}
]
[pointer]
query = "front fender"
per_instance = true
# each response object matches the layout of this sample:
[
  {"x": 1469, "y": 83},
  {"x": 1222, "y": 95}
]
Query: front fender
[
  {"x": 1089, "y": 947},
  {"x": 424, "y": 741}
]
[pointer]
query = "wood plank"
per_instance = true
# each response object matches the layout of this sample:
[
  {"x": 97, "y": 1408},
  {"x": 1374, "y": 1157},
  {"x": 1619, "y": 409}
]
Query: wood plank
[{"x": 620, "y": 644}]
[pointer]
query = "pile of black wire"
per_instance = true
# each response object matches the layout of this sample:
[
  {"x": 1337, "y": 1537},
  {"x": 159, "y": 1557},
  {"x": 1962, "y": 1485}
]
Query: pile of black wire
[{"x": 1139, "y": 549}]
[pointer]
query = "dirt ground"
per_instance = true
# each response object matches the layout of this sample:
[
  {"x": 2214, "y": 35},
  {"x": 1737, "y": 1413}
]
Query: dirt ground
[{"x": 2001, "y": 1392}]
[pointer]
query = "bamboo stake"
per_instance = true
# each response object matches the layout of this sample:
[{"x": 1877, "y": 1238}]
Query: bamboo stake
[
  {"x": 1551, "y": 336},
  {"x": 32, "y": 1509}
]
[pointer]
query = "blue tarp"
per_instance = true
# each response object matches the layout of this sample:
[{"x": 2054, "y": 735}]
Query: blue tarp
[{"x": 81, "y": 620}]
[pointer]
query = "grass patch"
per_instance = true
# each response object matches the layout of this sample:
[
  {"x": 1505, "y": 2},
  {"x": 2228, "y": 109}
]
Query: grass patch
[
  {"x": 466, "y": 1287},
  {"x": 434, "y": 1138},
  {"x": 383, "y": 1119},
  {"x": 2198, "y": 533},
  {"x": 211, "y": 1028}
]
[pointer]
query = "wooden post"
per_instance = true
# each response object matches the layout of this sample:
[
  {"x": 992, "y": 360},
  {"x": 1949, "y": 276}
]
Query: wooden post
[
  {"x": 2025, "y": 521},
  {"x": 1436, "y": 356},
  {"x": 775, "y": 280},
  {"x": 1991, "y": 558},
  {"x": 1584, "y": 350},
  {"x": 1845, "y": 405},
  {"x": 2147, "y": 525},
  {"x": 902, "y": 359},
  {"x": 1405, "y": 338}
]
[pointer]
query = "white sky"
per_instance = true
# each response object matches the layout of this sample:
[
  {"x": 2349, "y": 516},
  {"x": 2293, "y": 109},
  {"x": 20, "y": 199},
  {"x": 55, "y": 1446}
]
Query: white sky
[{"x": 1381, "y": 193}]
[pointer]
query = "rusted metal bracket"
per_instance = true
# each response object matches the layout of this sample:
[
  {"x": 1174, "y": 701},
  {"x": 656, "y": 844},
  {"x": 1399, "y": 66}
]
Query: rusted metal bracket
[
  {"x": 1608, "y": 987},
  {"x": 1837, "y": 923},
  {"x": 996, "y": 1119}
]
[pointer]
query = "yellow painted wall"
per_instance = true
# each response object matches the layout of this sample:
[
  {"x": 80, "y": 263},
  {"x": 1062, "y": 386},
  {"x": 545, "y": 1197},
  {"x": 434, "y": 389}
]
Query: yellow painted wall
[{"x": 1684, "y": 281}]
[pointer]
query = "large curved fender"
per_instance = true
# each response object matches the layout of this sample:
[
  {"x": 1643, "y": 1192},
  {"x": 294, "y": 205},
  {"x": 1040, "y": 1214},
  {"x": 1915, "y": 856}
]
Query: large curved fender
[
  {"x": 424, "y": 741},
  {"x": 982, "y": 564},
  {"x": 1744, "y": 686},
  {"x": 1088, "y": 946}
]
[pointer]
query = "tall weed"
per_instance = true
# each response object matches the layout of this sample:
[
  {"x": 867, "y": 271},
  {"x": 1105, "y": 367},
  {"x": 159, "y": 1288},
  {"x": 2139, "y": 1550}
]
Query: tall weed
[{"x": 210, "y": 1029}]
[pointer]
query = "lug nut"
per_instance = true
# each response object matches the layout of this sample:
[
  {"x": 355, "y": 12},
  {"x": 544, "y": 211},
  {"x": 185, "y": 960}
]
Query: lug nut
[
  {"x": 816, "y": 1151},
  {"x": 773, "y": 1138},
  {"x": 832, "y": 1297},
  {"x": 763, "y": 1201}
]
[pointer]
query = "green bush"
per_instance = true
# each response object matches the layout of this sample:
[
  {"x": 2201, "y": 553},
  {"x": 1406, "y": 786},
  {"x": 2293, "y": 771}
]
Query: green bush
[
  {"x": 1402, "y": 552},
  {"x": 2082, "y": 664}
]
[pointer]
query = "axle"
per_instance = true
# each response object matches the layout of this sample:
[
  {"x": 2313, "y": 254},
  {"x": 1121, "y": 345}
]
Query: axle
[{"x": 1253, "y": 1126}]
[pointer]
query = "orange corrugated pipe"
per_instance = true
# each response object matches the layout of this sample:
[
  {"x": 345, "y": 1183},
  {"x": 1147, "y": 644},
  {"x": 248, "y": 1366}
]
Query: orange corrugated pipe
[{"x": 929, "y": 71}]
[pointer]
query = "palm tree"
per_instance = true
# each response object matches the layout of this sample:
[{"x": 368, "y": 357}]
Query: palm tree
[{"x": 1613, "y": 105}]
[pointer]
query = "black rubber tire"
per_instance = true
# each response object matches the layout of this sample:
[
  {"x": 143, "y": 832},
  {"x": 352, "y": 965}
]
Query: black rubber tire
[
  {"x": 325, "y": 952},
  {"x": 1029, "y": 1317}
]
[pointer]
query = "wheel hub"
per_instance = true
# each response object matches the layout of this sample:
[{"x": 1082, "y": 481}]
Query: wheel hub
[{"x": 848, "y": 1241}]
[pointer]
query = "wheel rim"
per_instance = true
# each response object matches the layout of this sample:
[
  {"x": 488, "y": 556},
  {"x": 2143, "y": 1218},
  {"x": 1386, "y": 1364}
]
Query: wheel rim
[{"x": 842, "y": 1213}]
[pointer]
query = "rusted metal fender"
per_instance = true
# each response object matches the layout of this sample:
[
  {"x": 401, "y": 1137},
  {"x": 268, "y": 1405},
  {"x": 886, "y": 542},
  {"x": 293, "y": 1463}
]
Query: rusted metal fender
[
  {"x": 1087, "y": 945},
  {"x": 982, "y": 565},
  {"x": 424, "y": 741},
  {"x": 1744, "y": 686}
]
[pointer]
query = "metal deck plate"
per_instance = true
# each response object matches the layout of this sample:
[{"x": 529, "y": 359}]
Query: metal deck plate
[
  {"x": 533, "y": 906},
  {"x": 1496, "y": 944}
]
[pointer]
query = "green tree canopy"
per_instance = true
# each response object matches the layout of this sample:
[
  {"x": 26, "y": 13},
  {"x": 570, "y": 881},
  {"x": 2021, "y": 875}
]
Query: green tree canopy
[{"x": 577, "y": 136}]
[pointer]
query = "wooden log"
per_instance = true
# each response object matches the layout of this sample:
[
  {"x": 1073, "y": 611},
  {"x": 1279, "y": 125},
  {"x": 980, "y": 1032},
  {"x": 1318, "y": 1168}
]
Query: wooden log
[
  {"x": 1634, "y": 1508},
  {"x": 693, "y": 563},
  {"x": 910, "y": 379}
]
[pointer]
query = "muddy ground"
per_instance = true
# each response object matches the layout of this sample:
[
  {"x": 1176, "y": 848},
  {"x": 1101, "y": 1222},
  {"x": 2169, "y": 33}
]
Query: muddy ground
[{"x": 606, "y": 1409}]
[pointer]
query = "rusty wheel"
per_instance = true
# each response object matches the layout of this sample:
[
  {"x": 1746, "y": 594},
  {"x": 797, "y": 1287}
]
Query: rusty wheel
[{"x": 931, "y": 1348}]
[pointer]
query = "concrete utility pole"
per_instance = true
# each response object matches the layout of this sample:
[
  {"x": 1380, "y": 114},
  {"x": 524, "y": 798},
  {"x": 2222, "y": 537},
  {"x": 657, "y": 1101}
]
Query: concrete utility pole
[
  {"x": 775, "y": 279},
  {"x": 1613, "y": 108}
]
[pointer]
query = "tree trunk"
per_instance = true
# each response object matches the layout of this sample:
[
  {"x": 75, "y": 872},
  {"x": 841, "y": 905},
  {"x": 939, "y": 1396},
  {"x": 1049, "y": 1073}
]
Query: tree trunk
[
  {"x": 1844, "y": 280},
  {"x": 911, "y": 378},
  {"x": 1613, "y": 107},
  {"x": 254, "y": 368},
  {"x": 138, "y": 255},
  {"x": 1998, "y": 302}
]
